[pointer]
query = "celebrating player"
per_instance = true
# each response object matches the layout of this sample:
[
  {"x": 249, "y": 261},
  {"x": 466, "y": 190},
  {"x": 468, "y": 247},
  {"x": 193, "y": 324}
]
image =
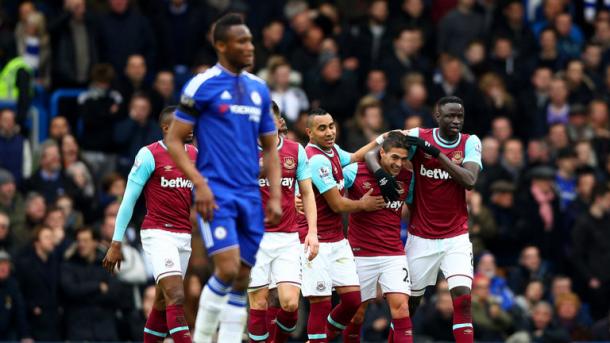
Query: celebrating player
[
  {"x": 446, "y": 163},
  {"x": 375, "y": 240},
  {"x": 279, "y": 256},
  {"x": 166, "y": 231},
  {"x": 230, "y": 110},
  {"x": 334, "y": 267}
]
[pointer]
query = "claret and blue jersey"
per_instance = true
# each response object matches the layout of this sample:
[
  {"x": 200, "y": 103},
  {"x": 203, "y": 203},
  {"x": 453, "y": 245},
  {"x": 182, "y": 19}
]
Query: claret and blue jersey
[{"x": 229, "y": 112}]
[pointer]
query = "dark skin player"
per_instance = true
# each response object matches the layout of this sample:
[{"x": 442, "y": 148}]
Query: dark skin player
[{"x": 450, "y": 119}]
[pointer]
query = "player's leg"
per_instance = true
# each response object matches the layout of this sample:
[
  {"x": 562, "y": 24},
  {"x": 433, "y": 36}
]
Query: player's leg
[
  {"x": 424, "y": 259},
  {"x": 317, "y": 288},
  {"x": 347, "y": 285},
  {"x": 286, "y": 269},
  {"x": 155, "y": 329},
  {"x": 368, "y": 274},
  {"x": 258, "y": 292},
  {"x": 458, "y": 270},
  {"x": 222, "y": 245},
  {"x": 352, "y": 332},
  {"x": 234, "y": 315},
  {"x": 173, "y": 291},
  {"x": 273, "y": 307},
  {"x": 396, "y": 286}
]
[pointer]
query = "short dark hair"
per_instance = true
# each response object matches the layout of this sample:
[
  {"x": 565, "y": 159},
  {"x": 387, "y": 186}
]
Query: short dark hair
[
  {"x": 451, "y": 99},
  {"x": 394, "y": 140},
  {"x": 94, "y": 234},
  {"x": 223, "y": 24},
  {"x": 103, "y": 72},
  {"x": 314, "y": 112},
  {"x": 38, "y": 230},
  {"x": 167, "y": 114},
  {"x": 599, "y": 190}
]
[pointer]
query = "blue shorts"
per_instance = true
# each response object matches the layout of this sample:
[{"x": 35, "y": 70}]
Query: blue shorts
[{"x": 238, "y": 222}]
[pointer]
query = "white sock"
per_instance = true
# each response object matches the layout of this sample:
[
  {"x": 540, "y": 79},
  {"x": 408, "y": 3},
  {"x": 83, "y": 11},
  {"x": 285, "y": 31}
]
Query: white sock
[
  {"x": 233, "y": 319},
  {"x": 213, "y": 299}
]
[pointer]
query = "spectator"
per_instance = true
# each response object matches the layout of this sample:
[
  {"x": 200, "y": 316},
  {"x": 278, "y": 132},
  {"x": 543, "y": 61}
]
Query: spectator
[
  {"x": 476, "y": 62},
  {"x": 50, "y": 180},
  {"x": 58, "y": 128},
  {"x": 412, "y": 104},
  {"x": 35, "y": 211},
  {"x": 504, "y": 63},
  {"x": 187, "y": 25},
  {"x": 530, "y": 267},
  {"x": 113, "y": 188},
  {"x": 558, "y": 108},
  {"x": 13, "y": 320},
  {"x": 291, "y": 100},
  {"x": 567, "y": 307},
  {"x": 91, "y": 294},
  {"x": 491, "y": 322},
  {"x": 541, "y": 327},
  {"x": 437, "y": 323},
  {"x": 99, "y": 111},
  {"x": 125, "y": 32},
  {"x": 163, "y": 94},
  {"x": 548, "y": 55},
  {"x": 459, "y": 27},
  {"x": 34, "y": 46},
  {"x": 377, "y": 320},
  {"x": 134, "y": 79},
  {"x": 503, "y": 210},
  {"x": 74, "y": 219},
  {"x": 414, "y": 13},
  {"x": 404, "y": 58},
  {"x": 581, "y": 88},
  {"x": 366, "y": 125},
  {"x": 515, "y": 28},
  {"x": 497, "y": 286},
  {"x": 513, "y": 160},
  {"x": 38, "y": 275},
  {"x": 566, "y": 178},
  {"x": 501, "y": 129},
  {"x": 558, "y": 138},
  {"x": 591, "y": 254},
  {"x": 570, "y": 37},
  {"x": 592, "y": 59},
  {"x": 481, "y": 223},
  {"x": 578, "y": 124},
  {"x": 538, "y": 152},
  {"x": 11, "y": 202},
  {"x": 534, "y": 293},
  {"x": 76, "y": 51},
  {"x": 305, "y": 57},
  {"x": 56, "y": 221},
  {"x": 269, "y": 44},
  {"x": 533, "y": 102},
  {"x": 493, "y": 171},
  {"x": 78, "y": 170},
  {"x": 377, "y": 87},
  {"x": 6, "y": 239},
  {"x": 497, "y": 101},
  {"x": 136, "y": 131},
  {"x": 14, "y": 148},
  {"x": 598, "y": 118}
]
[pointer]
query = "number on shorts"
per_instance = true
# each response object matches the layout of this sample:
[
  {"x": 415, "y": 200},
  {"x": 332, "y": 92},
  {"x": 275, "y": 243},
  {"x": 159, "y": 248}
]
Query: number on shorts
[{"x": 406, "y": 274}]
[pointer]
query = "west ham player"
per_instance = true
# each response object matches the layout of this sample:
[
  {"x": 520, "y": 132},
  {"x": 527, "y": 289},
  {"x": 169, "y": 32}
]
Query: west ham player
[
  {"x": 375, "y": 240},
  {"x": 166, "y": 231},
  {"x": 279, "y": 256},
  {"x": 230, "y": 109},
  {"x": 334, "y": 267},
  {"x": 446, "y": 164}
]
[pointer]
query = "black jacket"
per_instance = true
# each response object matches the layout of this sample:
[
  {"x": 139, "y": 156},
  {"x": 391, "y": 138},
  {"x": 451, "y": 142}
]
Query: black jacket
[
  {"x": 13, "y": 322},
  {"x": 89, "y": 314},
  {"x": 591, "y": 239},
  {"x": 39, "y": 283}
]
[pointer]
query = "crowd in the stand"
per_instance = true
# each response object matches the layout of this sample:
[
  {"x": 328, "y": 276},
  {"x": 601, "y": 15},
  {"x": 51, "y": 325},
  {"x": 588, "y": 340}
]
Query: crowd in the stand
[{"x": 534, "y": 76}]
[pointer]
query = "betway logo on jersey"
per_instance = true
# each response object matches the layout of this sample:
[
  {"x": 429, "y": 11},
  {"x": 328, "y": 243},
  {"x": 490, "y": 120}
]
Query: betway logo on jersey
[
  {"x": 285, "y": 182},
  {"x": 253, "y": 112},
  {"x": 176, "y": 183},
  {"x": 437, "y": 173},
  {"x": 394, "y": 205}
]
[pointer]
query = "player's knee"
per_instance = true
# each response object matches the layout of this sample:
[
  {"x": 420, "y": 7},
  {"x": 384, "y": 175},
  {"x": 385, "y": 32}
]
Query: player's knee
[
  {"x": 258, "y": 303},
  {"x": 291, "y": 304},
  {"x": 400, "y": 309},
  {"x": 227, "y": 271},
  {"x": 358, "y": 317},
  {"x": 459, "y": 291},
  {"x": 174, "y": 295}
]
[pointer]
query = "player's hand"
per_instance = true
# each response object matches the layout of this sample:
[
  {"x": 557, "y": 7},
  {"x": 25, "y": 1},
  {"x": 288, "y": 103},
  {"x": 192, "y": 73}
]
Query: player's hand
[
  {"x": 298, "y": 204},
  {"x": 424, "y": 145},
  {"x": 387, "y": 184},
  {"x": 273, "y": 211},
  {"x": 205, "y": 203},
  {"x": 311, "y": 243},
  {"x": 372, "y": 203},
  {"x": 113, "y": 257}
]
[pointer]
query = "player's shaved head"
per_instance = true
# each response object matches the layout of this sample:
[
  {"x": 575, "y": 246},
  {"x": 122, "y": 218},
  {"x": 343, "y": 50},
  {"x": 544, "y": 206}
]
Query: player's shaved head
[
  {"x": 448, "y": 100},
  {"x": 223, "y": 25},
  {"x": 167, "y": 115},
  {"x": 315, "y": 113}
]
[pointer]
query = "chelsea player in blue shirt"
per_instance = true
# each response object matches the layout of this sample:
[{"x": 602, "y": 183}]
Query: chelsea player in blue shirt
[{"x": 229, "y": 109}]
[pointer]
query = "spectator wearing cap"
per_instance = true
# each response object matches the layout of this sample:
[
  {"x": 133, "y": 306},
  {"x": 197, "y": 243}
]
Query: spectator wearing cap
[
  {"x": 11, "y": 201},
  {"x": 578, "y": 124},
  {"x": 565, "y": 179},
  {"x": 13, "y": 321},
  {"x": 91, "y": 294},
  {"x": 591, "y": 243},
  {"x": 37, "y": 270},
  {"x": 14, "y": 147},
  {"x": 50, "y": 180},
  {"x": 491, "y": 322}
]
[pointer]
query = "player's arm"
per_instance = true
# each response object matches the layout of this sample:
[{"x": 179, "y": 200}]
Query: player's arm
[
  {"x": 271, "y": 163},
  {"x": 309, "y": 203},
  {"x": 142, "y": 169},
  {"x": 204, "y": 200}
]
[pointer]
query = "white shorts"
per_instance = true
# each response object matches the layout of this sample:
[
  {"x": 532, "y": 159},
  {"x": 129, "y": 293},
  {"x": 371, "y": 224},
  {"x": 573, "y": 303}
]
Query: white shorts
[
  {"x": 392, "y": 273},
  {"x": 278, "y": 260},
  {"x": 168, "y": 252},
  {"x": 452, "y": 256},
  {"x": 333, "y": 267}
]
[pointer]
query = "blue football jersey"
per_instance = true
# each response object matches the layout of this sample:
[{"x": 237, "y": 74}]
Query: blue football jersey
[{"x": 229, "y": 113}]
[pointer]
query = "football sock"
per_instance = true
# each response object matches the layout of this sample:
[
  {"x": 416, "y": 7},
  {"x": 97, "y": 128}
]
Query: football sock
[
  {"x": 271, "y": 316},
  {"x": 342, "y": 314},
  {"x": 257, "y": 326},
  {"x": 351, "y": 334},
  {"x": 155, "y": 329},
  {"x": 212, "y": 300},
  {"x": 462, "y": 319},
  {"x": 402, "y": 330},
  {"x": 233, "y": 318},
  {"x": 317, "y": 321},
  {"x": 178, "y": 328},
  {"x": 286, "y": 323}
]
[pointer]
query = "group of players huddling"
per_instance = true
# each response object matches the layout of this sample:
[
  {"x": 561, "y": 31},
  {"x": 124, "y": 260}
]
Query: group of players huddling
[{"x": 270, "y": 212}]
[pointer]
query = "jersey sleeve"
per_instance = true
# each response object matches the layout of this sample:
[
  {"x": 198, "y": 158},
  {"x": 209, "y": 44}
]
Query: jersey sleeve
[
  {"x": 414, "y": 132},
  {"x": 194, "y": 98},
  {"x": 267, "y": 124},
  {"x": 322, "y": 173},
  {"x": 303, "y": 171},
  {"x": 473, "y": 151},
  {"x": 344, "y": 156},
  {"x": 410, "y": 195},
  {"x": 349, "y": 174},
  {"x": 130, "y": 197},
  {"x": 143, "y": 167}
]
